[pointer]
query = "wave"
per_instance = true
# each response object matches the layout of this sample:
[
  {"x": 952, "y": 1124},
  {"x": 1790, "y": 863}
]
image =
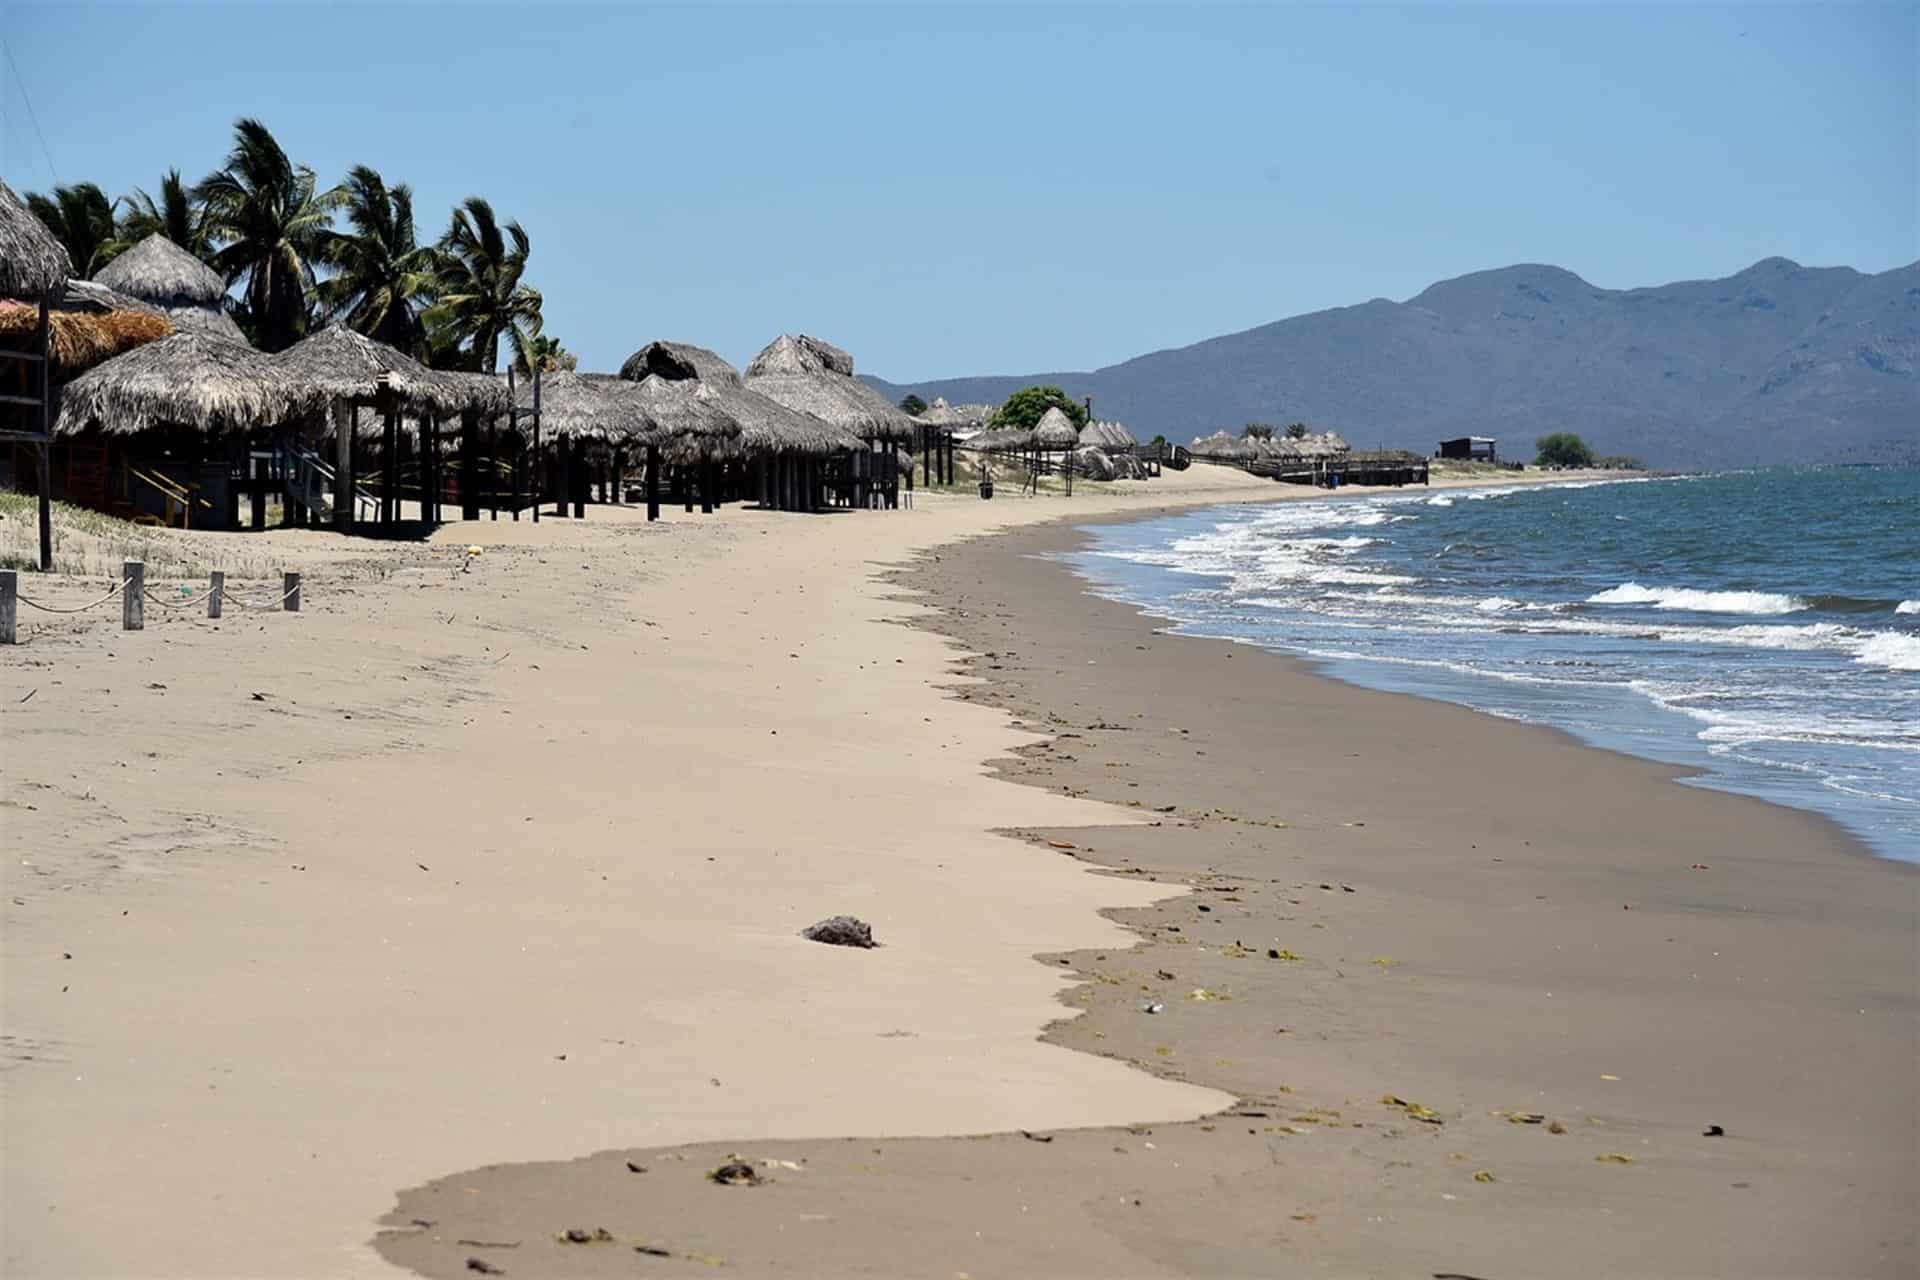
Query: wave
[
  {"x": 1439, "y": 502},
  {"x": 1895, "y": 650},
  {"x": 1687, "y": 598},
  {"x": 1907, "y": 606}
]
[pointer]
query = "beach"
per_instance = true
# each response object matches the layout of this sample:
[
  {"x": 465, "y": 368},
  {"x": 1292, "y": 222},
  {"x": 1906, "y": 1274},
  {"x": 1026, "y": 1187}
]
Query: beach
[{"x": 334, "y": 940}]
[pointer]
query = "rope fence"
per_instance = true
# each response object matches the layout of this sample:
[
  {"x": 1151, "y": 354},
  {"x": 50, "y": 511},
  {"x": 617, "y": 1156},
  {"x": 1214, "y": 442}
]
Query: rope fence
[{"x": 134, "y": 595}]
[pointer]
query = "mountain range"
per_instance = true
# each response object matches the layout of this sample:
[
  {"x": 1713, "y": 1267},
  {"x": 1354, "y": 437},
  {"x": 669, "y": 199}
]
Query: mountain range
[{"x": 1779, "y": 363}]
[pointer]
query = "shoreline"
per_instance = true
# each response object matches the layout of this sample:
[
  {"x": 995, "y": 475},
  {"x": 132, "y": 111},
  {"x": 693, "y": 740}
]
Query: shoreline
[{"x": 1421, "y": 1001}]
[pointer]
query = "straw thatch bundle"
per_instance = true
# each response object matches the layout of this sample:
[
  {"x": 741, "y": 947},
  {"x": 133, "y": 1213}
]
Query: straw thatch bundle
[
  {"x": 1127, "y": 466},
  {"x": 340, "y": 366},
  {"x": 90, "y": 298},
  {"x": 815, "y": 377},
  {"x": 759, "y": 424},
  {"x": 1002, "y": 440},
  {"x": 1107, "y": 435},
  {"x": 159, "y": 271},
  {"x": 79, "y": 340},
  {"x": 33, "y": 263},
  {"x": 1092, "y": 462},
  {"x": 1055, "y": 430},
  {"x": 186, "y": 380},
  {"x": 212, "y": 321}
]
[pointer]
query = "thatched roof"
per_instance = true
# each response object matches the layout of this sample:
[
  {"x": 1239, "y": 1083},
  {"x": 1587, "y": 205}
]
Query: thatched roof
[
  {"x": 486, "y": 392},
  {"x": 1107, "y": 435},
  {"x": 1002, "y": 439},
  {"x": 1223, "y": 447},
  {"x": 185, "y": 379},
  {"x": 339, "y": 365},
  {"x": 761, "y": 424},
  {"x": 679, "y": 362},
  {"x": 1092, "y": 462},
  {"x": 33, "y": 263},
  {"x": 212, "y": 321},
  {"x": 571, "y": 405},
  {"x": 1055, "y": 430},
  {"x": 78, "y": 340},
  {"x": 90, "y": 298},
  {"x": 815, "y": 377},
  {"x": 1128, "y": 467},
  {"x": 957, "y": 416},
  {"x": 160, "y": 271}
]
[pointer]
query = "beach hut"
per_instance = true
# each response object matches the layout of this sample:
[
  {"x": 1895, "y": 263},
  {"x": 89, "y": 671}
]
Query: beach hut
[
  {"x": 815, "y": 377},
  {"x": 159, "y": 272},
  {"x": 33, "y": 267},
  {"x": 787, "y": 452},
  {"x": 347, "y": 371},
  {"x": 1224, "y": 448},
  {"x": 942, "y": 427},
  {"x": 1108, "y": 436},
  {"x": 170, "y": 422}
]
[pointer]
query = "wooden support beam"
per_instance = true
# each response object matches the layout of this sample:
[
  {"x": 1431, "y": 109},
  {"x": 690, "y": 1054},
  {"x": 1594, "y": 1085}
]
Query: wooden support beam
[
  {"x": 290, "y": 590},
  {"x": 9, "y": 606},
  {"x": 653, "y": 482},
  {"x": 257, "y": 496},
  {"x": 216, "y": 593}
]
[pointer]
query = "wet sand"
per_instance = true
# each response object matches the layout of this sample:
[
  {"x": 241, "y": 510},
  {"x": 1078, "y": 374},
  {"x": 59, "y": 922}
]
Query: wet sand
[{"x": 1482, "y": 995}]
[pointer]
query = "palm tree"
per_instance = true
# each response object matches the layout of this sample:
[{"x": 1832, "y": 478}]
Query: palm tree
[
  {"x": 176, "y": 215},
  {"x": 381, "y": 272},
  {"x": 269, "y": 220},
  {"x": 547, "y": 355},
  {"x": 481, "y": 297},
  {"x": 81, "y": 218}
]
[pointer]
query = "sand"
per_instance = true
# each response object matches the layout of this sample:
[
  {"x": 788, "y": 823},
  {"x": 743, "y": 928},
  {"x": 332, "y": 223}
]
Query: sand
[{"x": 507, "y": 865}]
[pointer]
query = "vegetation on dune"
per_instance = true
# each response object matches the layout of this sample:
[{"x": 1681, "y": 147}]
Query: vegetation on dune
[
  {"x": 304, "y": 256},
  {"x": 1562, "y": 449},
  {"x": 912, "y": 405},
  {"x": 1024, "y": 409}
]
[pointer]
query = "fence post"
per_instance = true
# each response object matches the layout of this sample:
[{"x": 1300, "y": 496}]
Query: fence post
[
  {"x": 133, "y": 595},
  {"x": 9, "y": 605},
  {"x": 290, "y": 585},
  {"x": 217, "y": 587}
]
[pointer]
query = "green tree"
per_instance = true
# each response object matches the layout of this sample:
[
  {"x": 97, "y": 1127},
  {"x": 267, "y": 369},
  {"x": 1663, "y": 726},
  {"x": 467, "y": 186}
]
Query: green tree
[
  {"x": 81, "y": 218},
  {"x": 1296, "y": 431},
  {"x": 1257, "y": 431},
  {"x": 912, "y": 405},
  {"x": 1562, "y": 449},
  {"x": 1024, "y": 409},
  {"x": 382, "y": 275},
  {"x": 270, "y": 221},
  {"x": 482, "y": 298},
  {"x": 547, "y": 355},
  {"x": 175, "y": 215}
]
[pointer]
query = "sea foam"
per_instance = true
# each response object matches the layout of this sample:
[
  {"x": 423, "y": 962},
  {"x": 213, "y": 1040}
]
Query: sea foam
[
  {"x": 1907, "y": 606},
  {"x": 1699, "y": 601},
  {"x": 1894, "y": 650}
]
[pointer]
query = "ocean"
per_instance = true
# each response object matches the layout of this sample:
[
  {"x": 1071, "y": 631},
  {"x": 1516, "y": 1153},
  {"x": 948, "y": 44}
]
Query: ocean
[{"x": 1760, "y": 626}]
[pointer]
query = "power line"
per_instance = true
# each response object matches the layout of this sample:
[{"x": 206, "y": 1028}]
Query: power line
[{"x": 31, "y": 113}]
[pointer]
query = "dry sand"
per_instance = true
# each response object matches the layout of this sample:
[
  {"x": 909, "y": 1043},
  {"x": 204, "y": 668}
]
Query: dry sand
[{"x": 506, "y": 865}]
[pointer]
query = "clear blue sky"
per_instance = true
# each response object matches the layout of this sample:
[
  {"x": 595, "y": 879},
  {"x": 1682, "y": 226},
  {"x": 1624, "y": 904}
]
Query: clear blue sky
[{"x": 998, "y": 188}]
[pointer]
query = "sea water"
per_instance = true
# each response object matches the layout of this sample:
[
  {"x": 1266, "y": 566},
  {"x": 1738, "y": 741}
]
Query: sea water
[{"x": 1761, "y": 626}]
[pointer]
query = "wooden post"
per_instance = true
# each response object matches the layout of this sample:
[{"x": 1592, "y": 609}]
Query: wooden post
[
  {"x": 216, "y": 592},
  {"x": 493, "y": 468},
  {"x": 343, "y": 423},
  {"x": 653, "y": 481},
  {"x": 535, "y": 463},
  {"x": 578, "y": 479},
  {"x": 290, "y": 588},
  {"x": 927, "y": 437},
  {"x": 469, "y": 464},
  {"x": 43, "y": 462},
  {"x": 707, "y": 475},
  {"x": 133, "y": 595},
  {"x": 257, "y": 499},
  {"x": 9, "y": 605}
]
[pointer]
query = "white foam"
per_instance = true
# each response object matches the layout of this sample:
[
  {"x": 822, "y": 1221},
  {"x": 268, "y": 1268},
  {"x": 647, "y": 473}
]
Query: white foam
[
  {"x": 1895, "y": 650},
  {"x": 1498, "y": 604},
  {"x": 1907, "y": 606},
  {"x": 1440, "y": 502},
  {"x": 1762, "y": 602}
]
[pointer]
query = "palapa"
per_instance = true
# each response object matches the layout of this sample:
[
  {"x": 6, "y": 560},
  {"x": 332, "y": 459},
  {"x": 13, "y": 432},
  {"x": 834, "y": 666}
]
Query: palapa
[
  {"x": 815, "y": 377},
  {"x": 1107, "y": 435},
  {"x": 340, "y": 366},
  {"x": 159, "y": 271},
  {"x": 33, "y": 262},
  {"x": 1055, "y": 430},
  {"x": 1221, "y": 447},
  {"x": 761, "y": 425},
  {"x": 185, "y": 380}
]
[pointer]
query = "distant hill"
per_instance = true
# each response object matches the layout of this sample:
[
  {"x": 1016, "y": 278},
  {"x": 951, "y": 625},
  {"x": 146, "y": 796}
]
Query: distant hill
[{"x": 1780, "y": 363}]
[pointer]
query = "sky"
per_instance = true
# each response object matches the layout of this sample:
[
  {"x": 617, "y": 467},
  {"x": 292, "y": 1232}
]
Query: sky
[{"x": 955, "y": 189}]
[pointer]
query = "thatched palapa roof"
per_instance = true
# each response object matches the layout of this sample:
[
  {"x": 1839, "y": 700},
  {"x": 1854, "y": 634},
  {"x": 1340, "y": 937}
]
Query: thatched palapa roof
[
  {"x": 815, "y": 377},
  {"x": 762, "y": 424},
  {"x": 957, "y": 417},
  {"x": 341, "y": 366},
  {"x": 1055, "y": 430},
  {"x": 212, "y": 321},
  {"x": 185, "y": 379},
  {"x": 1002, "y": 439},
  {"x": 1107, "y": 435},
  {"x": 78, "y": 340},
  {"x": 159, "y": 271},
  {"x": 33, "y": 263},
  {"x": 1222, "y": 447}
]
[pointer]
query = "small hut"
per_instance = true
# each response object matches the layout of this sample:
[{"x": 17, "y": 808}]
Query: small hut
[
  {"x": 159, "y": 272},
  {"x": 1221, "y": 447},
  {"x": 172, "y": 420},
  {"x": 33, "y": 267},
  {"x": 1109, "y": 436},
  {"x": 815, "y": 377}
]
